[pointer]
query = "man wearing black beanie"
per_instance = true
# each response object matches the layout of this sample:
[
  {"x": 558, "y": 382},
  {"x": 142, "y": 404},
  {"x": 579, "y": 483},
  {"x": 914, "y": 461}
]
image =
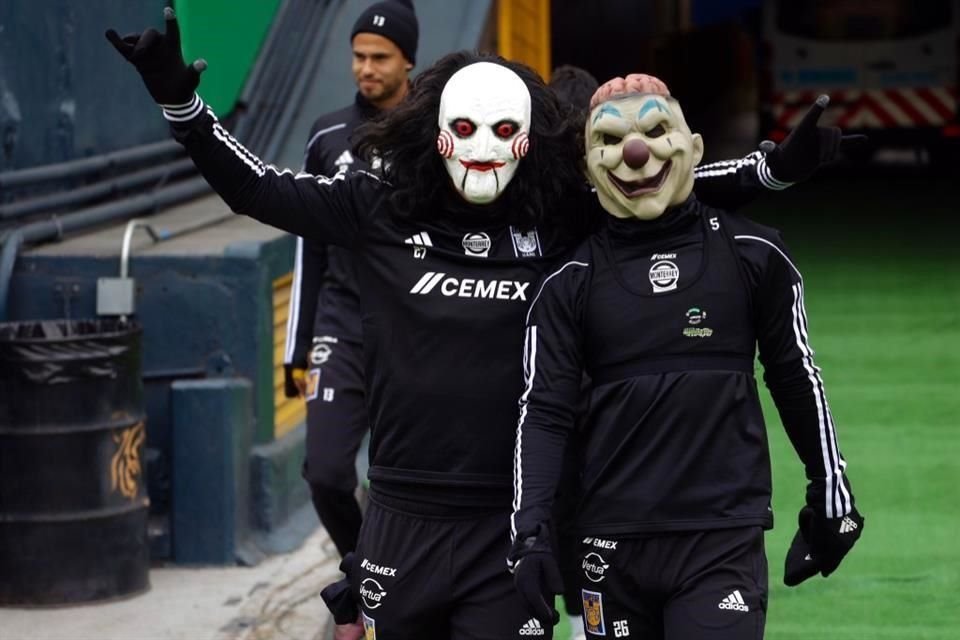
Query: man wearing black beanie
[
  {"x": 323, "y": 355},
  {"x": 396, "y": 21}
]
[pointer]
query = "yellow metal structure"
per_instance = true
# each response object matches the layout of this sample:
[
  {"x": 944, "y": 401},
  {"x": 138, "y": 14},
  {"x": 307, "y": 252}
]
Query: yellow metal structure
[
  {"x": 523, "y": 33},
  {"x": 287, "y": 412}
]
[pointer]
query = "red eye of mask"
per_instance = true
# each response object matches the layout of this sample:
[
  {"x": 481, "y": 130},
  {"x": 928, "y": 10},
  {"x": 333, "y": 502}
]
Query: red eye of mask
[
  {"x": 506, "y": 129},
  {"x": 464, "y": 128}
]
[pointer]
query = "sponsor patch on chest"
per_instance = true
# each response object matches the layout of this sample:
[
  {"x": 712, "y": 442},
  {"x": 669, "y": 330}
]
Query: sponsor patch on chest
[{"x": 450, "y": 287}]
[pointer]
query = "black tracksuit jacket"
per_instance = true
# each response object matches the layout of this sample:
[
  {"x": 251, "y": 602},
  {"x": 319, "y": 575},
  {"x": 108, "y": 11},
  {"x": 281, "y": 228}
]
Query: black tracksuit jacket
[
  {"x": 442, "y": 308},
  {"x": 324, "y": 300},
  {"x": 665, "y": 317}
]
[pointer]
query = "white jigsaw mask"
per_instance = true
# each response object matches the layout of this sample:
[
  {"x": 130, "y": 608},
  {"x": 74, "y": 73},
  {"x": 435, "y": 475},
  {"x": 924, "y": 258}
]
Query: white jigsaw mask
[{"x": 484, "y": 129}]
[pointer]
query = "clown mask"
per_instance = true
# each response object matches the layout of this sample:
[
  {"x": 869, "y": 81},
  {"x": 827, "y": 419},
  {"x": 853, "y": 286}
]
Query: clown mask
[
  {"x": 484, "y": 125},
  {"x": 640, "y": 152}
]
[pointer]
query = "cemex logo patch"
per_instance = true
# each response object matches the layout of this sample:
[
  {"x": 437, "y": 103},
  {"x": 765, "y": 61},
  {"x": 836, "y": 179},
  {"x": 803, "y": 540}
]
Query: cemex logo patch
[
  {"x": 600, "y": 543},
  {"x": 378, "y": 569},
  {"x": 470, "y": 287}
]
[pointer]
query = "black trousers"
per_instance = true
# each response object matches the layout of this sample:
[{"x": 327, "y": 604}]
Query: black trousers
[
  {"x": 420, "y": 577},
  {"x": 708, "y": 585},
  {"x": 336, "y": 424}
]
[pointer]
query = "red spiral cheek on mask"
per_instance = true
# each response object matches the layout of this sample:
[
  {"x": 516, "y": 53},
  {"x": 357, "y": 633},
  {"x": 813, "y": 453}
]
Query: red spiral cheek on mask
[
  {"x": 445, "y": 144},
  {"x": 521, "y": 145}
]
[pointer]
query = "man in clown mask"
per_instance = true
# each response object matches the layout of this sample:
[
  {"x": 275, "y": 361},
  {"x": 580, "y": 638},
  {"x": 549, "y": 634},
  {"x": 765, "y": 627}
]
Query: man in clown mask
[
  {"x": 664, "y": 308},
  {"x": 479, "y": 195}
]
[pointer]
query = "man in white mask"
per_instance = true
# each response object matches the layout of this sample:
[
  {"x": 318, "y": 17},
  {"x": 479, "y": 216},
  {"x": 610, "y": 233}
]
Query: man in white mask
[{"x": 484, "y": 125}]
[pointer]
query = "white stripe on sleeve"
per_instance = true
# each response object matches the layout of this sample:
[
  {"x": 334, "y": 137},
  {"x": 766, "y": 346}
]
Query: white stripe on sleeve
[
  {"x": 293, "y": 311},
  {"x": 529, "y": 372},
  {"x": 836, "y": 499}
]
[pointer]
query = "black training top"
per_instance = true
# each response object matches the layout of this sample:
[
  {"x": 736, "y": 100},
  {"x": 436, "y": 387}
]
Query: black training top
[
  {"x": 665, "y": 317},
  {"x": 443, "y": 301},
  {"x": 324, "y": 300}
]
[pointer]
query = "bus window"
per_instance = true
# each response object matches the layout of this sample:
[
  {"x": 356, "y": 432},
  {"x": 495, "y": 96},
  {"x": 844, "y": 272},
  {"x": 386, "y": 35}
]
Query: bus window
[
  {"x": 853, "y": 20},
  {"x": 891, "y": 68}
]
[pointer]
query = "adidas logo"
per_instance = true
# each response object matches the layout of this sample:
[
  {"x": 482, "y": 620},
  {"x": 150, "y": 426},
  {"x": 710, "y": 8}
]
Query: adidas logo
[
  {"x": 532, "y": 628},
  {"x": 847, "y": 525},
  {"x": 734, "y": 602},
  {"x": 344, "y": 159},
  {"x": 420, "y": 242}
]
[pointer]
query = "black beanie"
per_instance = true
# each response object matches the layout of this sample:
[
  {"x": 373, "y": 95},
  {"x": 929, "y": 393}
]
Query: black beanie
[{"x": 395, "y": 20}]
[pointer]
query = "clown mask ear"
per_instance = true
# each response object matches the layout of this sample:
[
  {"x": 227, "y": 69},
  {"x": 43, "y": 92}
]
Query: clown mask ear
[{"x": 484, "y": 123}]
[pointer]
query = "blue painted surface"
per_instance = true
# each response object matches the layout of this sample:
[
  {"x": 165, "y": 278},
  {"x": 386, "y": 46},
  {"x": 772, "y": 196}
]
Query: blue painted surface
[
  {"x": 607, "y": 109},
  {"x": 826, "y": 77},
  {"x": 708, "y": 12},
  {"x": 211, "y": 440},
  {"x": 202, "y": 313},
  {"x": 205, "y": 316},
  {"x": 652, "y": 104},
  {"x": 912, "y": 79},
  {"x": 64, "y": 91}
]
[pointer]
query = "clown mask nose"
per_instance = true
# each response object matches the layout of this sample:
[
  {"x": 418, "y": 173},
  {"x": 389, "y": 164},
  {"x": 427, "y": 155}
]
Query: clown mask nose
[{"x": 636, "y": 153}]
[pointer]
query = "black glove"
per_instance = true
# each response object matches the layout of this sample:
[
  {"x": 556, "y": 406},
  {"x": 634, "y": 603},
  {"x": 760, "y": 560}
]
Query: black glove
[
  {"x": 537, "y": 579},
  {"x": 159, "y": 61},
  {"x": 339, "y": 598},
  {"x": 808, "y": 147},
  {"x": 799, "y": 564},
  {"x": 536, "y": 575},
  {"x": 820, "y": 544}
]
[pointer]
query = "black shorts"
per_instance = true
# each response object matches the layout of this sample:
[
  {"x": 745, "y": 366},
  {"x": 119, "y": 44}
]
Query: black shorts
[
  {"x": 431, "y": 578},
  {"x": 336, "y": 413},
  {"x": 709, "y": 585}
]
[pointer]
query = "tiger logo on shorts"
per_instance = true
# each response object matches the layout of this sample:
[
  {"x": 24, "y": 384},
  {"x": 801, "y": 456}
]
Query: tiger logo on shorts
[
  {"x": 593, "y": 612},
  {"x": 369, "y": 628}
]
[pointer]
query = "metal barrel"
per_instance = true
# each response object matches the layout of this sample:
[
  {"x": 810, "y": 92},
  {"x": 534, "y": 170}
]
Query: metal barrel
[{"x": 73, "y": 500}]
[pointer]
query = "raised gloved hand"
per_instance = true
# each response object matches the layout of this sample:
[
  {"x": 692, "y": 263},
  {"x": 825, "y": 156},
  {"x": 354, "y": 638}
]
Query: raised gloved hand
[
  {"x": 820, "y": 544},
  {"x": 808, "y": 146},
  {"x": 536, "y": 575},
  {"x": 339, "y": 598},
  {"x": 159, "y": 61}
]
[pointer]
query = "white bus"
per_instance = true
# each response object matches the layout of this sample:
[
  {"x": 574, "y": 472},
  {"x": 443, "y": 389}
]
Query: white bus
[{"x": 890, "y": 68}]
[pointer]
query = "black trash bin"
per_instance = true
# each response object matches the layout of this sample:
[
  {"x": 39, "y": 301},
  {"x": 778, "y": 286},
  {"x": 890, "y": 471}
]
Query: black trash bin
[{"x": 73, "y": 501}]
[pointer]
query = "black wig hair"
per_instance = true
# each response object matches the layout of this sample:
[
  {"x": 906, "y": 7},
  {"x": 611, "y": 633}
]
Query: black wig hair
[
  {"x": 405, "y": 138},
  {"x": 573, "y": 85}
]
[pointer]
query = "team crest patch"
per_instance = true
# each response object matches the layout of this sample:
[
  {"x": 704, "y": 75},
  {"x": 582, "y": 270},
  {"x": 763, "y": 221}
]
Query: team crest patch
[
  {"x": 369, "y": 628},
  {"x": 664, "y": 276},
  {"x": 476, "y": 244},
  {"x": 526, "y": 244},
  {"x": 320, "y": 353},
  {"x": 593, "y": 612}
]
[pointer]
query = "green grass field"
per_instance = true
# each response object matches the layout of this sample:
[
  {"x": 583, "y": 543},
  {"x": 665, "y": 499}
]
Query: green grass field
[{"x": 882, "y": 283}]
